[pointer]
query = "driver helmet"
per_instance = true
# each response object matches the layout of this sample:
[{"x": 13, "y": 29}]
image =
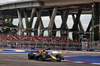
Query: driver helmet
[{"x": 43, "y": 50}]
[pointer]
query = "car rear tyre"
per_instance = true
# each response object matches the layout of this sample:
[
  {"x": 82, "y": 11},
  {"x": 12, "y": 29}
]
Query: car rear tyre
[
  {"x": 59, "y": 57},
  {"x": 41, "y": 58},
  {"x": 30, "y": 56}
]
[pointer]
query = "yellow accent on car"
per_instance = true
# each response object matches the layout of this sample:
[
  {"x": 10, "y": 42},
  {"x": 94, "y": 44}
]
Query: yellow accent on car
[{"x": 53, "y": 57}]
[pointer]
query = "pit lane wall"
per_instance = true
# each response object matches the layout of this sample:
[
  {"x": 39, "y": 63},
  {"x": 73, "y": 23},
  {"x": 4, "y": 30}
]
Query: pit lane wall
[
  {"x": 27, "y": 51},
  {"x": 13, "y": 51},
  {"x": 95, "y": 50}
]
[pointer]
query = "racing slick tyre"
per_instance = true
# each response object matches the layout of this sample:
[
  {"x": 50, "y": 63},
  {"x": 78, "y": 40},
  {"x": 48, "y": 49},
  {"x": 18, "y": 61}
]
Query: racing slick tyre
[
  {"x": 30, "y": 56},
  {"x": 59, "y": 57},
  {"x": 41, "y": 58}
]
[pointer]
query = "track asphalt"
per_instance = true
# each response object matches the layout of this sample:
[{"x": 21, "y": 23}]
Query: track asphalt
[{"x": 76, "y": 59}]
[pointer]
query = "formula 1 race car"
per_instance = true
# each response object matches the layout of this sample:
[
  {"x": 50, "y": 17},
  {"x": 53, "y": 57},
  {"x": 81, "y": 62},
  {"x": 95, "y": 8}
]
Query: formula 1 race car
[{"x": 45, "y": 56}]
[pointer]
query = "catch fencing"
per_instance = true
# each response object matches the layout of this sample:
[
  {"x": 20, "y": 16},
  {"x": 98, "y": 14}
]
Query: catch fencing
[
  {"x": 91, "y": 46},
  {"x": 43, "y": 45}
]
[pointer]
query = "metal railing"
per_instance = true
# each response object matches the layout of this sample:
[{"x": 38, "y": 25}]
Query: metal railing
[{"x": 17, "y": 1}]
